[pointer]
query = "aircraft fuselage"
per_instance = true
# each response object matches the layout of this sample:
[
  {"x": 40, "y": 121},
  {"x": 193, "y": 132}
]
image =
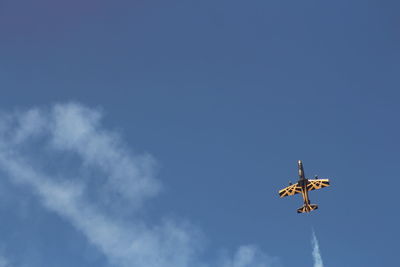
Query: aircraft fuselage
[{"x": 303, "y": 181}]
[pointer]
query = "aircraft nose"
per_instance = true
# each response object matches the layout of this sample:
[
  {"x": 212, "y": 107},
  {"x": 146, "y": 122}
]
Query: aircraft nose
[{"x": 299, "y": 162}]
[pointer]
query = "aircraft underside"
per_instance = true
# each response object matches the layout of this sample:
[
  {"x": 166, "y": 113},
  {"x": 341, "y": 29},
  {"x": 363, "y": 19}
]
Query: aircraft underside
[{"x": 303, "y": 186}]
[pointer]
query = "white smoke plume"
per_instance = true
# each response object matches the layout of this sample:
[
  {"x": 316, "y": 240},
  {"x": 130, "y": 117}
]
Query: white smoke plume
[
  {"x": 316, "y": 252},
  {"x": 84, "y": 173}
]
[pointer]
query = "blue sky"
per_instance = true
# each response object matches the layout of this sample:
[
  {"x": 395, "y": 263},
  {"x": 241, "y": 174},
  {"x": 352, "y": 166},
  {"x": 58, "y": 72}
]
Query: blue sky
[{"x": 157, "y": 134}]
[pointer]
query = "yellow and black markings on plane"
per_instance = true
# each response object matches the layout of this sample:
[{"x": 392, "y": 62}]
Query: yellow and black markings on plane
[
  {"x": 296, "y": 189},
  {"x": 302, "y": 187}
]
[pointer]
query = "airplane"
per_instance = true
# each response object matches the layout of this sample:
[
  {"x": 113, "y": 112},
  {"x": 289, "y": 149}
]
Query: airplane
[{"x": 303, "y": 186}]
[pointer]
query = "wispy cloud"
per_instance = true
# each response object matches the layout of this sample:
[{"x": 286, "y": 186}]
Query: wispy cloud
[
  {"x": 316, "y": 253},
  {"x": 4, "y": 262},
  {"x": 83, "y": 172}
]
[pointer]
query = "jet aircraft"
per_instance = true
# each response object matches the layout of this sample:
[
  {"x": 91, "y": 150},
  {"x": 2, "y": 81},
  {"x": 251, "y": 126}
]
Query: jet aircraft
[{"x": 302, "y": 186}]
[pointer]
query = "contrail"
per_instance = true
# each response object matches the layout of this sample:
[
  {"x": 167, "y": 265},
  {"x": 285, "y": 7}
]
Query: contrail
[{"x": 316, "y": 253}]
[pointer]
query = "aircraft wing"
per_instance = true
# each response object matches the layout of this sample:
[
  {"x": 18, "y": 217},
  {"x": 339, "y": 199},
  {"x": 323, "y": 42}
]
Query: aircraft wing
[
  {"x": 290, "y": 190},
  {"x": 317, "y": 184}
]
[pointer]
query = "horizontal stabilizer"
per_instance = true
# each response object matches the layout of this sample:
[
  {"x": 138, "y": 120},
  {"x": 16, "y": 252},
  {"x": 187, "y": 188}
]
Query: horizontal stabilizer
[{"x": 307, "y": 208}]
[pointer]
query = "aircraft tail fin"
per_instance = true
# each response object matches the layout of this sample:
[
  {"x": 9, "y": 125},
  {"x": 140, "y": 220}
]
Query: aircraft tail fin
[{"x": 307, "y": 208}]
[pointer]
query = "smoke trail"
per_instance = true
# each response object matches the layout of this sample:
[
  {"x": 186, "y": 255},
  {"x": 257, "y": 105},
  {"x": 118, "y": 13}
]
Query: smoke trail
[
  {"x": 316, "y": 253},
  {"x": 87, "y": 175}
]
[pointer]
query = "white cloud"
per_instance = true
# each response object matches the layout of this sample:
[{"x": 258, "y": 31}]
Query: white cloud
[
  {"x": 4, "y": 262},
  {"x": 316, "y": 253},
  {"x": 247, "y": 256},
  {"x": 109, "y": 173}
]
